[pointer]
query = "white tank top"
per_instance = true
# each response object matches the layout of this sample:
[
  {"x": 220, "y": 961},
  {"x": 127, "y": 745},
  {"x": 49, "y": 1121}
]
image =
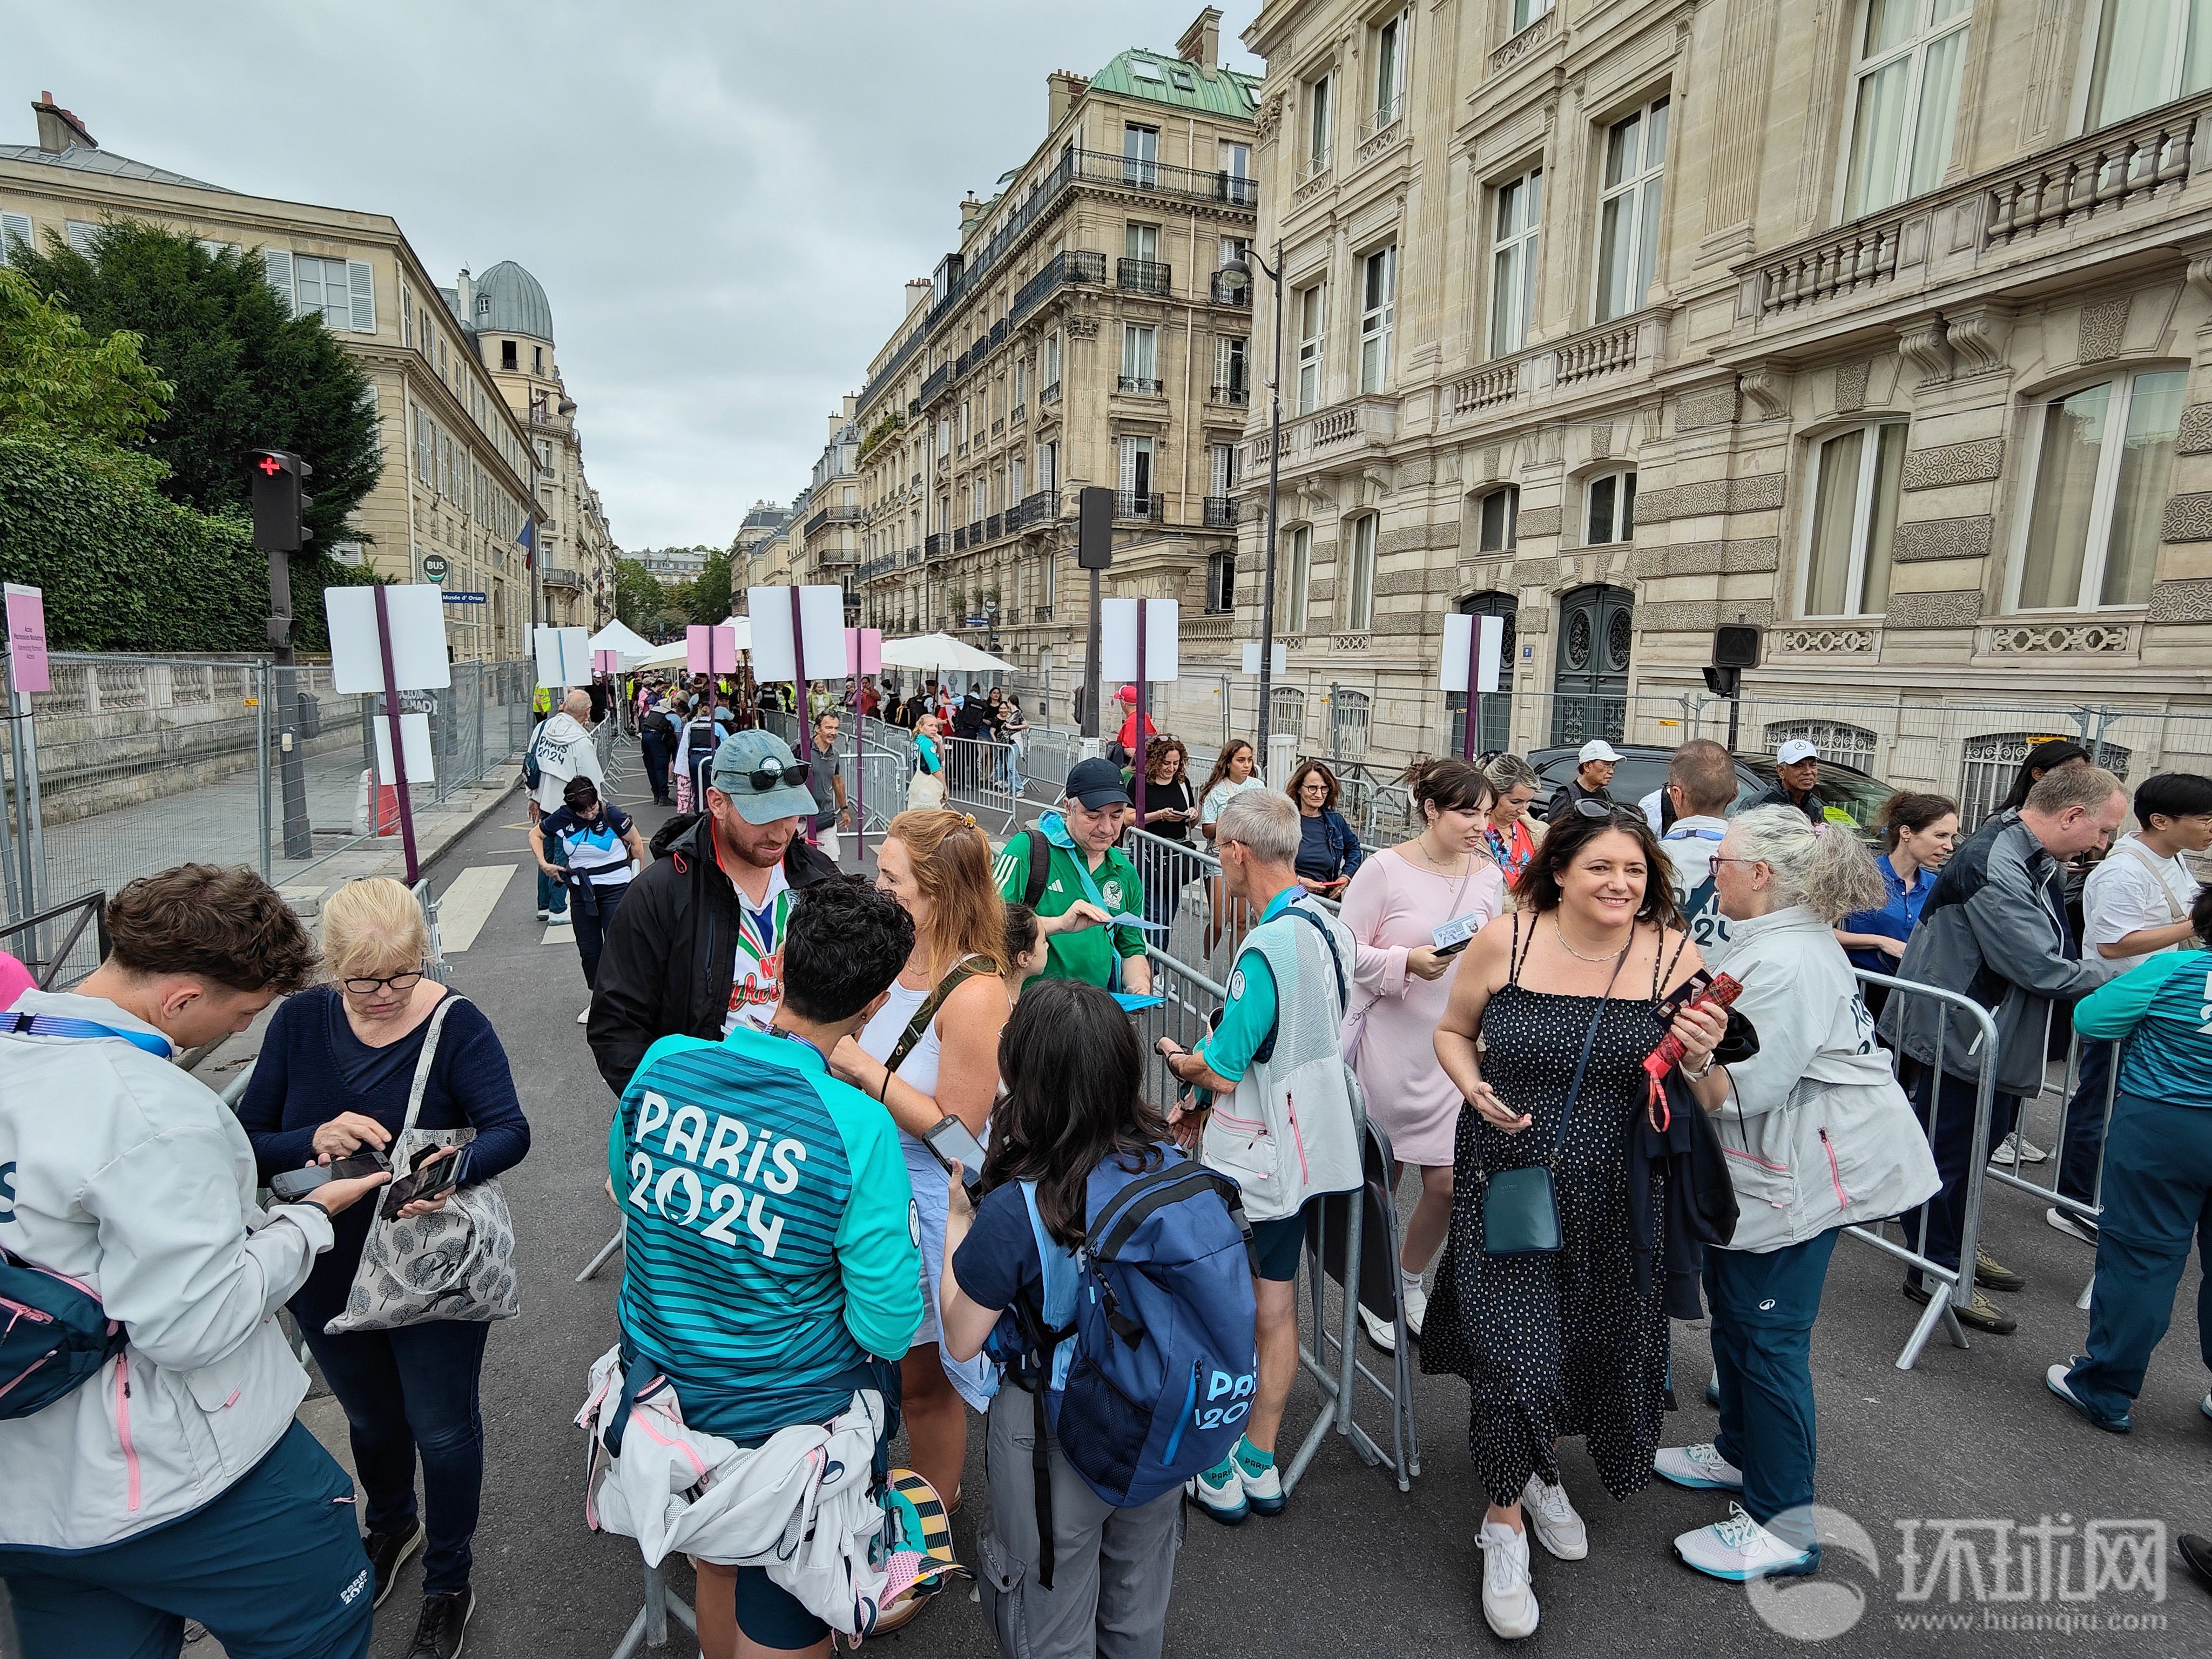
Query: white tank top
[{"x": 882, "y": 1034}]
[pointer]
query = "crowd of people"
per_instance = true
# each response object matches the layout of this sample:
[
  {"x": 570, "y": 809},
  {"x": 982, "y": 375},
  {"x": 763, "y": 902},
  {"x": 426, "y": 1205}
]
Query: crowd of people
[{"x": 883, "y": 1154}]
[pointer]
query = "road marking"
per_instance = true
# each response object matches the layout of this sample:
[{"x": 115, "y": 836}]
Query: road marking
[
  {"x": 559, "y": 931},
  {"x": 466, "y": 905}
]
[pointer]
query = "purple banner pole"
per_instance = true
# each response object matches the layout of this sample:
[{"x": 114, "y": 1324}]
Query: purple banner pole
[{"x": 398, "y": 749}]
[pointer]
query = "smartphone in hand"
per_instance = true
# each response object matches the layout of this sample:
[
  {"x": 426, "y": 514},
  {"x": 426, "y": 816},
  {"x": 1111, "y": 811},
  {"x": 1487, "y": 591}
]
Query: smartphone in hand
[
  {"x": 424, "y": 1181},
  {"x": 291, "y": 1186},
  {"x": 953, "y": 1143}
]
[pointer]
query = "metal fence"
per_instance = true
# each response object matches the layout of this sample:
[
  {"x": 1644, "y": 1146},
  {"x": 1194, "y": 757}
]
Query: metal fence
[{"x": 130, "y": 765}]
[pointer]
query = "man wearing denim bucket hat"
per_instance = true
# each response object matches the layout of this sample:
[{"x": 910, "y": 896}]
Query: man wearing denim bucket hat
[{"x": 697, "y": 947}]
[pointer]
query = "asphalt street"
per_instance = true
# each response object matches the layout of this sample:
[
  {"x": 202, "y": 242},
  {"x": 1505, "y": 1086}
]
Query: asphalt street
[{"x": 1354, "y": 1566}]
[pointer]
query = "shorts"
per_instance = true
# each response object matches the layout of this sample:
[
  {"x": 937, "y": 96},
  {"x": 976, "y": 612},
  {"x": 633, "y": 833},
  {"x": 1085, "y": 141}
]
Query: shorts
[
  {"x": 771, "y": 1615},
  {"x": 1276, "y": 1245}
]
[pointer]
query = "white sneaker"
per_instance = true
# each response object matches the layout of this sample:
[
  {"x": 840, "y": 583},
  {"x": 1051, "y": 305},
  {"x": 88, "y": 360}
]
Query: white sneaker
[
  {"x": 2072, "y": 1225},
  {"x": 585, "y": 1015},
  {"x": 543, "y": 913},
  {"x": 1381, "y": 1332},
  {"x": 1700, "y": 1467},
  {"x": 1263, "y": 1491},
  {"x": 1739, "y": 1548},
  {"x": 2011, "y": 1149},
  {"x": 1509, "y": 1600},
  {"x": 1417, "y": 1309},
  {"x": 1550, "y": 1511},
  {"x": 1224, "y": 1503}
]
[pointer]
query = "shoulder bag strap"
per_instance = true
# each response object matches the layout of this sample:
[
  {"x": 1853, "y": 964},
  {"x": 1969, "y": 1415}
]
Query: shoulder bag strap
[
  {"x": 918, "y": 1027},
  {"x": 1328, "y": 947},
  {"x": 426, "y": 1060},
  {"x": 2144, "y": 856},
  {"x": 1590, "y": 1042},
  {"x": 1659, "y": 975}
]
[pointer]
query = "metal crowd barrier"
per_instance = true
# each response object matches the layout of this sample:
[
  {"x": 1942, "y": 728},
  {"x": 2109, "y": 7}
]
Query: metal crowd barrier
[
  {"x": 1958, "y": 1282},
  {"x": 978, "y": 778},
  {"x": 89, "y": 909},
  {"x": 2070, "y": 1102}
]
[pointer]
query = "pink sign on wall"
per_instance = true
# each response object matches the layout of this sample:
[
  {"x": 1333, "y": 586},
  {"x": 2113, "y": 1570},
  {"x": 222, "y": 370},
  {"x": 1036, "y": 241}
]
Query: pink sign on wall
[{"x": 26, "y": 639}]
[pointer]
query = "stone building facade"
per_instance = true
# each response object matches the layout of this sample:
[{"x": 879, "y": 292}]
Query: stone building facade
[
  {"x": 1883, "y": 324},
  {"x": 827, "y": 551},
  {"x": 1094, "y": 328},
  {"x": 460, "y": 475}
]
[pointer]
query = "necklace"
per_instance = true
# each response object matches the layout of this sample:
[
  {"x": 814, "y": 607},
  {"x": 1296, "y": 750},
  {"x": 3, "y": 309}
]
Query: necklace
[
  {"x": 1421, "y": 842},
  {"x": 1602, "y": 956}
]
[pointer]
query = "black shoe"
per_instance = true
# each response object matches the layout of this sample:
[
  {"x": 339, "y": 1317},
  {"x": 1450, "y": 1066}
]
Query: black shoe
[
  {"x": 438, "y": 1632},
  {"x": 388, "y": 1552},
  {"x": 2195, "y": 1554}
]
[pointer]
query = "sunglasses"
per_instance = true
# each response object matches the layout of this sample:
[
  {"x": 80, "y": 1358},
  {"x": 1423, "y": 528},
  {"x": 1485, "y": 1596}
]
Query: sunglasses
[
  {"x": 1598, "y": 809},
  {"x": 772, "y": 775}
]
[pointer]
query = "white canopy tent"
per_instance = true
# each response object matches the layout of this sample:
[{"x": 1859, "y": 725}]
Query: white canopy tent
[
  {"x": 677, "y": 654},
  {"x": 943, "y": 652},
  {"x": 626, "y": 644}
]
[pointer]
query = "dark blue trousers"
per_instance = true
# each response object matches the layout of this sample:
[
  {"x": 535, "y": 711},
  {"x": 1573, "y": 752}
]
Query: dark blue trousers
[
  {"x": 2158, "y": 1196},
  {"x": 273, "y": 1567},
  {"x": 594, "y": 913},
  {"x": 1952, "y": 1142},
  {"x": 410, "y": 1392},
  {"x": 2085, "y": 1122},
  {"x": 657, "y": 757},
  {"x": 1764, "y": 1306}
]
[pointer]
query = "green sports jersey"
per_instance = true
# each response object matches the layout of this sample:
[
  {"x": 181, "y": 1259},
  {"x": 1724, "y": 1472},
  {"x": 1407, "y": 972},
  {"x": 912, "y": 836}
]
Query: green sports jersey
[{"x": 1088, "y": 955}]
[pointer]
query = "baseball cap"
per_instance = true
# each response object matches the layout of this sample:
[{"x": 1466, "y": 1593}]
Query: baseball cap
[
  {"x": 1597, "y": 749},
  {"x": 1096, "y": 783},
  {"x": 1797, "y": 750},
  {"x": 1126, "y": 694},
  {"x": 740, "y": 760}
]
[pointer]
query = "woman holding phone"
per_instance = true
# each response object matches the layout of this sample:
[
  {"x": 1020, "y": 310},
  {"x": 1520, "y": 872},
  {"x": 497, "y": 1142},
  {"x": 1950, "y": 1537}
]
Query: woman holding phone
[
  {"x": 1396, "y": 902},
  {"x": 1170, "y": 809},
  {"x": 932, "y": 1052},
  {"x": 336, "y": 1068}
]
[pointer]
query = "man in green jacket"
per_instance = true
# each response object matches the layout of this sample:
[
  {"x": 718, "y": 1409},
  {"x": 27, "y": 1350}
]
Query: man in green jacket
[{"x": 1087, "y": 882}]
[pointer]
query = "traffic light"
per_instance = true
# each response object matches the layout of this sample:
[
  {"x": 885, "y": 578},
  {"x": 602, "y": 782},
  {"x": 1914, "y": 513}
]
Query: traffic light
[{"x": 280, "y": 505}]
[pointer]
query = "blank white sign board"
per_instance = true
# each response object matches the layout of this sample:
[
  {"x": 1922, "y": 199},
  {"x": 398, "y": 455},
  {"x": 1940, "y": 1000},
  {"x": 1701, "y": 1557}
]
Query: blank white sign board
[
  {"x": 416, "y": 612},
  {"x": 1280, "y": 666},
  {"x": 822, "y": 624},
  {"x": 564, "y": 656},
  {"x": 1117, "y": 639},
  {"x": 413, "y": 743},
  {"x": 1453, "y": 670}
]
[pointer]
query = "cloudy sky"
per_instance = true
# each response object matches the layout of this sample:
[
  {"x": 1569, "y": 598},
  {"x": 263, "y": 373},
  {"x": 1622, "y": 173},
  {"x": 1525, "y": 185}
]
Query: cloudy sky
[{"x": 723, "y": 200}]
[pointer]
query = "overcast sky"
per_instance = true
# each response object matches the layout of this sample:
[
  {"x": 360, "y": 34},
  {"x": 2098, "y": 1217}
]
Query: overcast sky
[{"x": 723, "y": 201}]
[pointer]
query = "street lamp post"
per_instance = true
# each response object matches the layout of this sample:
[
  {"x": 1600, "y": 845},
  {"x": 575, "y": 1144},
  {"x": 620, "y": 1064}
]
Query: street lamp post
[{"x": 1274, "y": 478}]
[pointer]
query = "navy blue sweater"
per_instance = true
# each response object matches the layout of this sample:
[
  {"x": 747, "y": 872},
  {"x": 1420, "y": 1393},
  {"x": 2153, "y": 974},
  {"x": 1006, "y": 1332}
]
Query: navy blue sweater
[{"x": 312, "y": 1068}]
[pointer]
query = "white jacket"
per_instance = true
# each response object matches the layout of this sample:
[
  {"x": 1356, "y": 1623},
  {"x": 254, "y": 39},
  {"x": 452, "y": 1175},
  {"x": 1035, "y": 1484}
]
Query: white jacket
[
  {"x": 119, "y": 1170},
  {"x": 801, "y": 1504},
  {"x": 565, "y": 750},
  {"x": 1817, "y": 1132}
]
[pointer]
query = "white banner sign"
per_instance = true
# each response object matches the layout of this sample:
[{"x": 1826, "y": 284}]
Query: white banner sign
[
  {"x": 1457, "y": 641},
  {"x": 564, "y": 657},
  {"x": 1281, "y": 665},
  {"x": 414, "y": 746},
  {"x": 1117, "y": 641},
  {"x": 416, "y": 612},
  {"x": 822, "y": 624}
]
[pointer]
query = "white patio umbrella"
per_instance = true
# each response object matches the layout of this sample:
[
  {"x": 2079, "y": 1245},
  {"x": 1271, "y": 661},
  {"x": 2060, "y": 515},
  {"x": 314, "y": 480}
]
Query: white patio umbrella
[
  {"x": 624, "y": 642},
  {"x": 941, "y": 652},
  {"x": 676, "y": 653}
]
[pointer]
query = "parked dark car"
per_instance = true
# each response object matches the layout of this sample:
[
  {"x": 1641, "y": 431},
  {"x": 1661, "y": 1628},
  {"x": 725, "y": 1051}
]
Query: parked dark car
[{"x": 1642, "y": 769}]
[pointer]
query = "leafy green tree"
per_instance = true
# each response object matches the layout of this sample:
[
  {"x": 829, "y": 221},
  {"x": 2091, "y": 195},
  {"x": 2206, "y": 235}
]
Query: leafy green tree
[
  {"x": 709, "y": 596},
  {"x": 57, "y": 381},
  {"x": 244, "y": 373},
  {"x": 639, "y": 597}
]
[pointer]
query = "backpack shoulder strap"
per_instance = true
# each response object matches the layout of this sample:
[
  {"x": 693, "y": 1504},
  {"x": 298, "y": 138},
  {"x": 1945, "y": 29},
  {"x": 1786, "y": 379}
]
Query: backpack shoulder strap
[
  {"x": 1040, "y": 867},
  {"x": 918, "y": 1027}
]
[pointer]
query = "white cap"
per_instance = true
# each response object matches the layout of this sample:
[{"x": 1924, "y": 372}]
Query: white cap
[
  {"x": 1797, "y": 750},
  {"x": 1597, "y": 749}
]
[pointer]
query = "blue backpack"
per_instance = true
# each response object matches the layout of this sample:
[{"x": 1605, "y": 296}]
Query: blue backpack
[
  {"x": 1146, "y": 1356},
  {"x": 54, "y": 1336}
]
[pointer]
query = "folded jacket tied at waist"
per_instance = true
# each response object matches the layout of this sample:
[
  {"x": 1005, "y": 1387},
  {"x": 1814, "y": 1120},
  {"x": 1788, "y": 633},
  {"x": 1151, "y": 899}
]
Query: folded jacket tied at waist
[{"x": 804, "y": 1504}]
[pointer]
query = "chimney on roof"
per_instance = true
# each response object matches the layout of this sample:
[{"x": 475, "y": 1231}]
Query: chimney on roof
[
  {"x": 465, "y": 287},
  {"x": 1063, "y": 89},
  {"x": 917, "y": 292},
  {"x": 852, "y": 405},
  {"x": 58, "y": 130},
  {"x": 1201, "y": 41},
  {"x": 970, "y": 212}
]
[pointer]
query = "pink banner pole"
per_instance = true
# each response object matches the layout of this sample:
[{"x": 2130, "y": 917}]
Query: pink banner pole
[{"x": 1137, "y": 746}]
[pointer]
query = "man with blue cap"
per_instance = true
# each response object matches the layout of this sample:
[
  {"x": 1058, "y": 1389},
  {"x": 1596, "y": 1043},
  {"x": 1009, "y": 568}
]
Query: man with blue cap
[{"x": 697, "y": 947}]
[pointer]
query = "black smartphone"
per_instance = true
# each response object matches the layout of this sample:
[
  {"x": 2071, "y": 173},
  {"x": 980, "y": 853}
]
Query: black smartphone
[
  {"x": 1453, "y": 949},
  {"x": 425, "y": 1180},
  {"x": 1680, "y": 998},
  {"x": 953, "y": 1143},
  {"x": 291, "y": 1186}
]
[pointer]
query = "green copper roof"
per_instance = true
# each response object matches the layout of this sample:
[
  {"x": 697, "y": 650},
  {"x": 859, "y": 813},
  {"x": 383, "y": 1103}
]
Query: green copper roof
[{"x": 1165, "y": 79}]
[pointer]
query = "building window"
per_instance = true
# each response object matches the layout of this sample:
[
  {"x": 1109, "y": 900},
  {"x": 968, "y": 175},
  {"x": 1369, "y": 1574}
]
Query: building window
[
  {"x": 1628, "y": 217},
  {"x": 1235, "y": 174},
  {"x": 1378, "y": 281},
  {"x": 2149, "y": 53},
  {"x": 2100, "y": 481},
  {"x": 1907, "y": 99},
  {"x": 1358, "y": 578},
  {"x": 1221, "y": 470},
  {"x": 1610, "y": 498},
  {"x": 1236, "y": 251},
  {"x": 1048, "y": 465},
  {"x": 1136, "y": 476},
  {"x": 507, "y": 359},
  {"x": 1230, "y": 384},
  {"x": 319, "y": 288},
  {"x": 1499, "y": 524},
  {"x": 1854, "y": 483},
  {"x": 1513, "y": 262},
  {"x": 1390, "y": 69},
  {"x": 1141, "y": 242},
  {"x": 1317, "y": 124},
  {"x": 1286, "y": 710},
  {"x": 1298, "y": 580},
  {"x": 538, "y": 360},
  {"x": 1525, "y": 12},
  {"x": 1140, "y": 358},
  {"x": 1052, "y": 359},
  {"x": 1140, "y": 157},
  {"x": 1221, "y": 584},
  {"x": 1311, "y": 305}
]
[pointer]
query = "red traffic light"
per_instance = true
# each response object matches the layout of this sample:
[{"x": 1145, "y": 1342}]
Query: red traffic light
[{"x": 270, "y": 465}]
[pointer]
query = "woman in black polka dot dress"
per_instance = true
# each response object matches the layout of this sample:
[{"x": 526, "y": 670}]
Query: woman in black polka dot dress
[{"x": 1562, "y": 1343}]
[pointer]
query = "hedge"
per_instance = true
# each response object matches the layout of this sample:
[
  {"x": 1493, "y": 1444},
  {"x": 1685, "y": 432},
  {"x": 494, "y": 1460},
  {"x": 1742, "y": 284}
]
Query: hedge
[{"x": 124, "y": 568}]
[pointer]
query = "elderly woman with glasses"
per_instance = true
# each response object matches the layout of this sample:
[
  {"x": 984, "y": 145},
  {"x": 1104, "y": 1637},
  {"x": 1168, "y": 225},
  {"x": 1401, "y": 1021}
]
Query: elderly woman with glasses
[{"x": 336, "y": 1068}]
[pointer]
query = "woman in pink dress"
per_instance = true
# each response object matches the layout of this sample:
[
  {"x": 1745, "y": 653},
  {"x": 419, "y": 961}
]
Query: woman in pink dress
[{"x": 1396, "y": 901}]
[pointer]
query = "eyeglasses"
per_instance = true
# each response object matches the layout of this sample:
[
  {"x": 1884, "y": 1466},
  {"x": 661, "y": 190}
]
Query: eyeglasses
[
  {"x": 1717, "y": 859},
  {"x": 362, "y": 987},
  {"x": 1616, "y": 813},
  {"x": 771, "y": 774}
]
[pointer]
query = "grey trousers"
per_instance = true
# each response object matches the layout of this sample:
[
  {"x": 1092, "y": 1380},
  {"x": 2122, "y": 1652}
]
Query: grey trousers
[{"x": 1112, "y": 1569}]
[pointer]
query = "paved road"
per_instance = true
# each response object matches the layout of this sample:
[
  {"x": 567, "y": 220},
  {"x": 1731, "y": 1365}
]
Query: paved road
[{"x": 1354, "y": 1567}]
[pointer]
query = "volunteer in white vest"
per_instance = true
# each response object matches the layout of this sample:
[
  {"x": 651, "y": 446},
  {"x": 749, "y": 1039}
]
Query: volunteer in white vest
[
  {"x": 1281, "y": 1120},
  {"x": 2135, "y": 904},
  {"x": 174, "y": 1483}
]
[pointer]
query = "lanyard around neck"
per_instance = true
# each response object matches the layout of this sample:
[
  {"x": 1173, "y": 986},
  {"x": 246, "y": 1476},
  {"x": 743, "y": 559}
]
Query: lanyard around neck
[{"x": 68, "y": 1025}]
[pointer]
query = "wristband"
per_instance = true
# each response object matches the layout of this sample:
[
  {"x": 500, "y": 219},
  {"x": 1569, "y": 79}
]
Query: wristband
[{"x": 1699, "y": 1072}]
